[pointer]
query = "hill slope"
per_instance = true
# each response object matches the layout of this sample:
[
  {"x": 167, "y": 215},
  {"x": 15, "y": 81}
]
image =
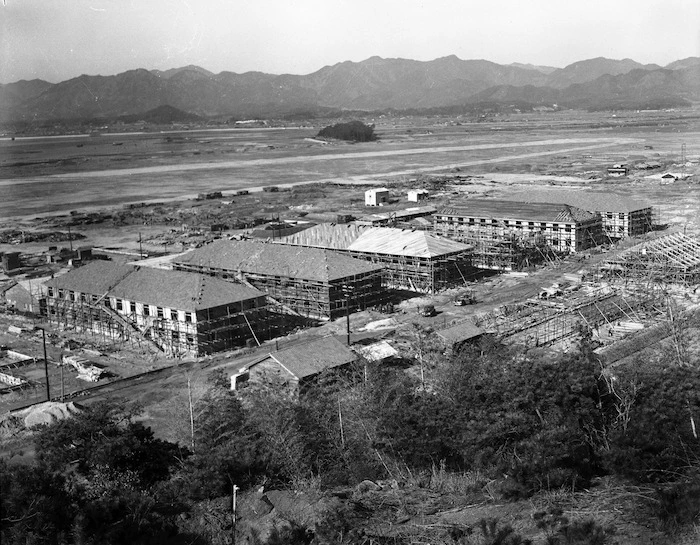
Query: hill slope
[{"x": 373, "y": 84}]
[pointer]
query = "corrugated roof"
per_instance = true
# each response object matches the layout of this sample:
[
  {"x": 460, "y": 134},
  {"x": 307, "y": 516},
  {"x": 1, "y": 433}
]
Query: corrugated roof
[
  {"x": 95, "y": 278},
  {"x": 168, "y": 289},
  {"x": 277, "y": 260},
  {"x": 379, "y": 240},
  {"x": 180, "y": 290},
  {"x": 326, "y": 235},
  {"x": 406, "y": 242},
  {"x": 587, "y": 200},
  {"x": 305, "y": 360},
  {"x": 518, "y": 210}
]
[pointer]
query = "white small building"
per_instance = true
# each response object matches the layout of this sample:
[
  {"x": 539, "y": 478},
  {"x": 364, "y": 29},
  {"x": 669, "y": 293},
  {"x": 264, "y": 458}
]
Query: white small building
[
  {"x": 377, "y": 196},
  {"x": 617, "y": 171},
  {"x": 417, "y": 195}
]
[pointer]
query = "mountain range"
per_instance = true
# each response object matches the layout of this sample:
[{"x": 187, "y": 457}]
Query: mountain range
[{"x": 375, "y": 84}]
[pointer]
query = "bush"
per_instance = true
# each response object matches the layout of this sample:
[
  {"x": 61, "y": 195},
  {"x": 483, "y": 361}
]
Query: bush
[
  {"x": 656, "y": 442},
  {"x": 679, "y": 504},
  {"x": 354, "y": 131}
]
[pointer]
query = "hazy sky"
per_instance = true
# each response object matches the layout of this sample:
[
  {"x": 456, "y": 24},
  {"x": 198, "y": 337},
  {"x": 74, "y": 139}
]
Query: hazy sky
[{"x": 59, "y": 39}]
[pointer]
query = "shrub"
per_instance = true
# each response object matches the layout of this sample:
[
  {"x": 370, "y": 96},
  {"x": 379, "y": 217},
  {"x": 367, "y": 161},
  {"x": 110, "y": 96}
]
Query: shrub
[
  {"x": 680, "y": 503},
  {"x": 354, "y": 131}
]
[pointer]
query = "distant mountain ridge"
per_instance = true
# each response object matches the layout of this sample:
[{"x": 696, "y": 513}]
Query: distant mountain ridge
[{"x": 374, "y": 84}]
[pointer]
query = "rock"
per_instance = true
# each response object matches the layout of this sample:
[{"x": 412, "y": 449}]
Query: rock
[
  {"x": 254, "y": 505},
  {"x": 367, "y": 486}
]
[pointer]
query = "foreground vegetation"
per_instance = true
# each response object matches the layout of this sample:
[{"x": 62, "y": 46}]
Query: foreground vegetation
[{"x": 522, "y": 424}]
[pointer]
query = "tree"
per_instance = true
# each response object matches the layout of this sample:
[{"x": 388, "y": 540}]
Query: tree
[
  {"x": 105, "y": 435},
  {"x": 35, "y": 506},
  {"x": 99, "y": 479},
  {"x": 353, "y": 131},
  {"x": 658, "y": 439}
]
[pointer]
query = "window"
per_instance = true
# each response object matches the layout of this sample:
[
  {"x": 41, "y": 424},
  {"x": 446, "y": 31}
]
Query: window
[
  {"x": 621, "y": 215},
  {"x": 120, "y": 304},
  {"x": 132, "y": 307},
  {"x": 83, "y": 297},
  {"x": 146, "y": 310},
  {"x": 50, "y": 292},
  {"x": 159, "y": 311},
  {"x": 188, "y": 317},
  {"x": 173, "y": 315},
  {"x": 71, "y": 295},
  {"x": 60, "y": 294}
]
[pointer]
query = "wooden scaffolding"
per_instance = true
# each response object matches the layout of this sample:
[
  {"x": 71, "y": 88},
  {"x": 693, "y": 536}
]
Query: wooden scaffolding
[{"x": 673, "y": 259}]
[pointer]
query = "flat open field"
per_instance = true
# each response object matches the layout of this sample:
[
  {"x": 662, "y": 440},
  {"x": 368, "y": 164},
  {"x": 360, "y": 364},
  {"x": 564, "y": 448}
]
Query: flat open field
[{"x": 59, "y": 174}]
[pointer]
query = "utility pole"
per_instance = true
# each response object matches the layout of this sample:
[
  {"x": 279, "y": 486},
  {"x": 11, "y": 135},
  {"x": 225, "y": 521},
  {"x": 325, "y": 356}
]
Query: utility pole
[
  {"x": 234, "y": 489},
  {"x": 140, "y": 248},
  {"x": 683, "y": 159},
  {"x": 346, "y": 291},
  {"x": 46, "y": 366}
]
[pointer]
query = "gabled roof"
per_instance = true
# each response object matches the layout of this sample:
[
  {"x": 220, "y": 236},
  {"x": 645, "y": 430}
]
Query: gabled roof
[
  {"x": 459, "y": 333},
  {"x": 406, "y": 242},
  {"x": 169, "y": 289},
  {"x": 517, "y": 210},
  {"x": 277, "y": 260},
  {"x": 308, "y": 359},
  {"x": 180, "y": 290},
  {"x": 96, "y": 278},
  {"x": 587, "y": 200},
  {"x": 379, "y": 240}
]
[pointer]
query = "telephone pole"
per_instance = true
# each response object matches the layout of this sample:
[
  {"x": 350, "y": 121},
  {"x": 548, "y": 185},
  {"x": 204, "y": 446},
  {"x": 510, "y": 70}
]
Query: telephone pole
[{"x": 46, "y": 366}]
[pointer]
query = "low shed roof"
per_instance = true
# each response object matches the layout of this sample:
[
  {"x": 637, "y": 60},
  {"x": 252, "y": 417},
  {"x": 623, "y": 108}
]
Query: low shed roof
[
  {"x": 308, "y": 359},
  {"x": 459, "y": 333}
]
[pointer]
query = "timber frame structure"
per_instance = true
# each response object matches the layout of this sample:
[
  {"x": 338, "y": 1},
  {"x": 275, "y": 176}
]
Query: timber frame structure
[
  {"x": 177, "y": 313},
  {"x": 309, "y": 282},
  {"x": 510, "y": 235},
  {"x": 411, "y": 259},
  {"x": 537, "y": 322},
  {"x": 672, "y": 258}
]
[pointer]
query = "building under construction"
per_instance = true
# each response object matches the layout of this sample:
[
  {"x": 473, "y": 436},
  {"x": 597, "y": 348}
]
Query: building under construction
[
  {"x": 179, "y": 313},
  {"x": 510, "y": 235},
  {"x": 413, "y": 260},
  {"x": 544, "y": 321},
  {"x": 310, "y": 282},
  {"x": 670, "y": 259},
  {"x": 622, "y": 216}
]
